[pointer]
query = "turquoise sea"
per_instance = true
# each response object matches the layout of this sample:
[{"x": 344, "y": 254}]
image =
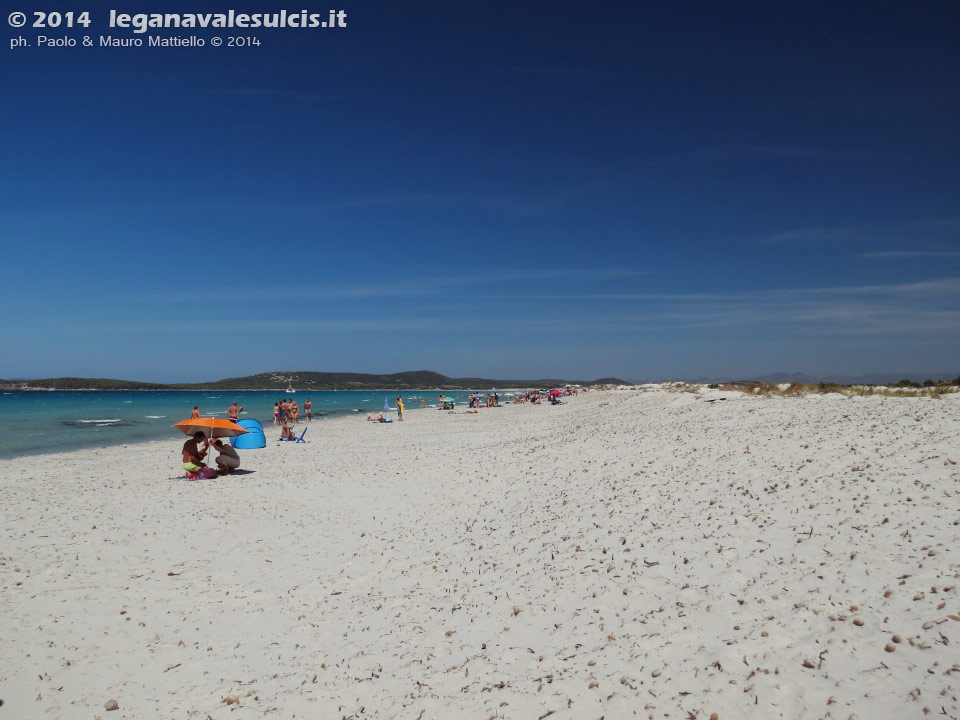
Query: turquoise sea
[{"x": 38, "y": 422}]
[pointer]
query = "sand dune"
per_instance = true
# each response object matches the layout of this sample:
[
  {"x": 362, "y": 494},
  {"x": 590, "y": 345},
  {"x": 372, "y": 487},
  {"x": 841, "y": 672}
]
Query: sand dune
[{"x": 627, "y": 554}]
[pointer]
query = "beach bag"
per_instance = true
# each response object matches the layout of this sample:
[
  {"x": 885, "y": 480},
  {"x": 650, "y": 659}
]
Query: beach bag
[{"x": 207, "y": 473}]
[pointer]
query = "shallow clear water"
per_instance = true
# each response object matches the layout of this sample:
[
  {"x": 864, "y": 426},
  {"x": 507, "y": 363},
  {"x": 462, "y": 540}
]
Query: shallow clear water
[{"x": 39, "y": 422}]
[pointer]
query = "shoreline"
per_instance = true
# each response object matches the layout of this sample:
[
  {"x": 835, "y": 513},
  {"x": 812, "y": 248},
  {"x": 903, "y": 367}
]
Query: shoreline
[
  {"x": 674, "y": 551},
  {"x": 327, "y": 419},
  {"x": 61, "y": 424},
  {"x": 678, "y": 389}
]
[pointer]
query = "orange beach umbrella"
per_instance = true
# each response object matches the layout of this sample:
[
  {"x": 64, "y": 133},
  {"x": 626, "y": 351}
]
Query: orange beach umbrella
[{"x": 211, "y": 427}]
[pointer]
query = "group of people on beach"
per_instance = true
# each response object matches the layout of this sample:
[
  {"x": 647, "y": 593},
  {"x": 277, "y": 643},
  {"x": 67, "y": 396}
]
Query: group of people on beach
[
  {"x": 233, "y": 412},
  {"x": 383, "y": 418},
  {"x": 286, "y": 409},
  {"x": 286, "y": 414},
  {"x": 492, "y": 400},
  {"x": 195, "y": 450}
]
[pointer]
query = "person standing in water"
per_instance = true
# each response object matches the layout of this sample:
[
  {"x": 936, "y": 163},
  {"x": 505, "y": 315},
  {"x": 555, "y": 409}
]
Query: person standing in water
[
  {"x": 195, "y": 413},
  {"x": 233, "y": 411},
  {"x": 308, "y": 409}
]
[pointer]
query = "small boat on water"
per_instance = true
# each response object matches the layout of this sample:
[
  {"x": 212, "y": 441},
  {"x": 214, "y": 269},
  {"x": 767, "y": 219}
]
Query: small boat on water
[{"x": 290, "y": 391}]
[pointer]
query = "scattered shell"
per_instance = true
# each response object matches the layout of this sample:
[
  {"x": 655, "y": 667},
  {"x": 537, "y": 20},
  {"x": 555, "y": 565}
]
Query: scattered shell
[
  {"x": 890, "y": 647},
  {"x": 858, "y": 622},
  {"x": 111, "y": 705},
  {"x": 230, "y": 699}
]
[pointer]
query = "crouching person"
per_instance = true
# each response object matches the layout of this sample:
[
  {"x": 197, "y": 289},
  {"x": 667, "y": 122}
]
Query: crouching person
[{"x": 228, "y": 460}]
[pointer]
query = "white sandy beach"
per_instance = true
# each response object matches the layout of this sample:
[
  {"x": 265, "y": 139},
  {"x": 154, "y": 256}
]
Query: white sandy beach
[{"x": 626, "y": 554}]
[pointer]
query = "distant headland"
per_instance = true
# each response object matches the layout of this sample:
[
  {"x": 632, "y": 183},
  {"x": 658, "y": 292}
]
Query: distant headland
[{"x": 281, "y": 381}]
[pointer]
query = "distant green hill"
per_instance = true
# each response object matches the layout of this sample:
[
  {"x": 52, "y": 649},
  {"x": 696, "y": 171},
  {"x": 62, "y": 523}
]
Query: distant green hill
[
  {"x": 72, "y": 383},
  {"x": 303, "y": 380}
]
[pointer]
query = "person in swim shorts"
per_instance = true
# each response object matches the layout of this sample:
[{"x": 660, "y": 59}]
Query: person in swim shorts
[
  {"x": 193, "y": 454},
  {"x": 233, "y": 411}
]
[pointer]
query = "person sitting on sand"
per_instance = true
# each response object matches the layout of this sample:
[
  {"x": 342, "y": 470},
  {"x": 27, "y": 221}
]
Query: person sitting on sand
[
  {"x": 233, "y": 411},
  {"x": 228, "y": 460},
  {"x": 193, "y": 454},
  {"x": 287, "y": 432}
]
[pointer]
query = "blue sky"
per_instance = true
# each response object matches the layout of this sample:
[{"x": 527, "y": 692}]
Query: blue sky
[{"x": 639, "y": 190}]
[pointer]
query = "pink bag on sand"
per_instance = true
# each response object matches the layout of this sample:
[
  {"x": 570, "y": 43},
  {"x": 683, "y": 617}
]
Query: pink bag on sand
[{"x": 207, "y": 473}]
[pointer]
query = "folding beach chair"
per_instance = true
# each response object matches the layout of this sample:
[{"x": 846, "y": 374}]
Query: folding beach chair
[{"x": 300, "y": 439}]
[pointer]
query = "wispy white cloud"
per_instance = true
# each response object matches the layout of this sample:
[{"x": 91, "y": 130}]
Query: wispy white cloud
[
  {"x": 910, "y": 254},
  {"x": 465, "y": 308},
  {"x": 809, "y": 235},
  {"x": 906, "y": 309},
  {"x": 933, "y": 232},
  {"x": 452, "y": 281},
  {"x": 748, "y": 152},
  {"x": 926, "y": 288}
]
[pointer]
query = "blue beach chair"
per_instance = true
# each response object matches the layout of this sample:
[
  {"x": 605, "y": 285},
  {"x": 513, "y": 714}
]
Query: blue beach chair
[{"x": 298, "y": 439}]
